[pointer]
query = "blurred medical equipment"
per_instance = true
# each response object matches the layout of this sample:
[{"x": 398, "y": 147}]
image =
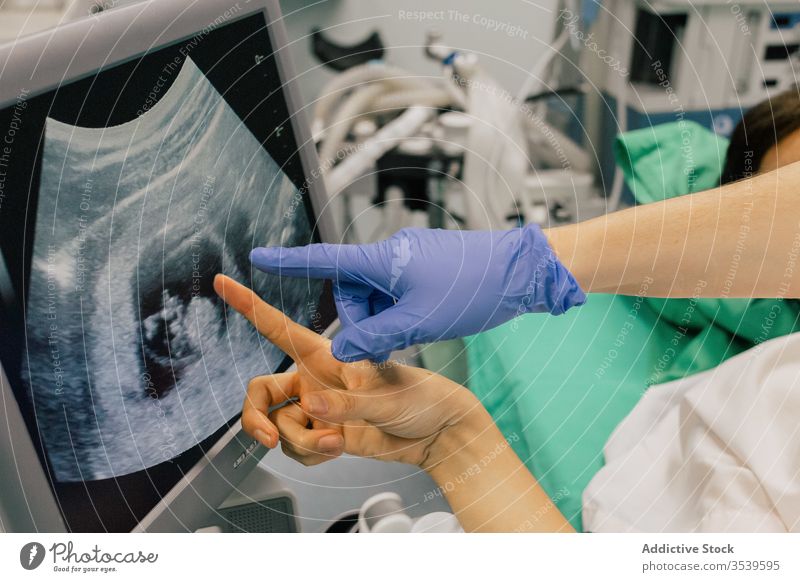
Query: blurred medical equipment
[
  {"x": 269, "y": 500},
  {"x": 22, "y": 17},
  {"x": 702, "y": 60},
  {"x": 385, "y": 513},
  {"x": 453, "y": 151},
  {"x": 484, "y": 158}
]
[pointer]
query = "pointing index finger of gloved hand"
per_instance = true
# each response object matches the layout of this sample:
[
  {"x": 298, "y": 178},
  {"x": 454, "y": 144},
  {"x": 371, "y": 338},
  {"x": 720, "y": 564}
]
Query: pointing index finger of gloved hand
[
  {"x": 294, "y": 339},
  {"x": 365, "y": 264}
]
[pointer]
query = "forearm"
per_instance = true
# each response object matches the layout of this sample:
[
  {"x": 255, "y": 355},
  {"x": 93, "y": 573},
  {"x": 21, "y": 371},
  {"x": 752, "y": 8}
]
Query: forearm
[
  {"x": 486, "y": 484},
  {"x": 741, "y": 240}
]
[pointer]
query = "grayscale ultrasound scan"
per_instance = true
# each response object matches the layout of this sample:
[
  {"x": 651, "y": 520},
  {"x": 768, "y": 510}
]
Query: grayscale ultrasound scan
[{"x": 131, "y": 356}]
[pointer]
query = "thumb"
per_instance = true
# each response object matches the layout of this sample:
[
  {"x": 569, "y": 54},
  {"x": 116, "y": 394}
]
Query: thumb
[
  {"x": 376, "y": 336},
  {"x": 338, "y": 406}
]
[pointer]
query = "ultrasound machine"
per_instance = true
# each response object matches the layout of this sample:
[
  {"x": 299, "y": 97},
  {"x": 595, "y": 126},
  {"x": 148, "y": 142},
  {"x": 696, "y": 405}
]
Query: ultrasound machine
[{"x": 143, "y": 149}]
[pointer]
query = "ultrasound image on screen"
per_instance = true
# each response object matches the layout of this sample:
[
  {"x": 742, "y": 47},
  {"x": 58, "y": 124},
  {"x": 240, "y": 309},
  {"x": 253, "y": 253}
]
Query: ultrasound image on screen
[{"x": 131, "y": 358}]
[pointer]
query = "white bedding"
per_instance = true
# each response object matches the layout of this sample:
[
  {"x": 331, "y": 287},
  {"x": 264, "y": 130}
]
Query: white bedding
[{"x": 716, "y": 452}]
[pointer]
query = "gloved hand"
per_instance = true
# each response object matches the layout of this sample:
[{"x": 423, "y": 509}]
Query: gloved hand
[{"x": 425, "y": 285}]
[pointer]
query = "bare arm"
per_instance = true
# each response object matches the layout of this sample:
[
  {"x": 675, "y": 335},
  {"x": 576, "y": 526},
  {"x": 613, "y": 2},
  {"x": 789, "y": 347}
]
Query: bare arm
[
  {"x": 740, "y": 240},
  {"x": 485, "y": 482}
]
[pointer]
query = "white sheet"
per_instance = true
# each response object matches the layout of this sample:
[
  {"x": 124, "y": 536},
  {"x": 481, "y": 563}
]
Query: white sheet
[{"x": 717, "y": 452}]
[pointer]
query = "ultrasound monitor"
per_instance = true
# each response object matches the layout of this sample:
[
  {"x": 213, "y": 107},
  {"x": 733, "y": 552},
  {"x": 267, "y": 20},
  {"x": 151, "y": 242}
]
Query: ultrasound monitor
[{"x": 142, "y": 151}]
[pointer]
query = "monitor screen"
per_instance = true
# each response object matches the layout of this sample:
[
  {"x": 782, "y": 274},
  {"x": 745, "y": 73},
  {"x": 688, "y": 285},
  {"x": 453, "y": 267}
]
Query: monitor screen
[{"x": 122, "y": 195}]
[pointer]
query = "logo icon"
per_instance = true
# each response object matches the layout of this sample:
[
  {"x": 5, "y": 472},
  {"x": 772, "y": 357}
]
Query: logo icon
[{"x": 31, "y": 555}]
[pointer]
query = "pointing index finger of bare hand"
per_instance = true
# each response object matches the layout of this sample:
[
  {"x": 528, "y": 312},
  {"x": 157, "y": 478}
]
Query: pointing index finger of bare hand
[{"x": 294, "y": 339}]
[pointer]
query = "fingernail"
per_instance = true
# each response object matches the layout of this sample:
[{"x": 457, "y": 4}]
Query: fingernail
[
  {"x": 315, "y": 404},
  {"x": 264, "y": 438},
  {"x": 330, "y": 443}
]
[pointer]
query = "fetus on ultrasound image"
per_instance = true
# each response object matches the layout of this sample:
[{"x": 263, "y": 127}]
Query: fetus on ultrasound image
[{"x": 131, "y": 359}]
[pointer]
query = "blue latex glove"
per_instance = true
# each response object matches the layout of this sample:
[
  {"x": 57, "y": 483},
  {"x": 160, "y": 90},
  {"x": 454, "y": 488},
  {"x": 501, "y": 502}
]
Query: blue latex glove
[{"x": 425, "y": 285}]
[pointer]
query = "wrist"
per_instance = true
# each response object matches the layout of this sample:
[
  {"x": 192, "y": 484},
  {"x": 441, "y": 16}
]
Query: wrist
[
  {"x": 565, "y": 242},
  {"x": 486, "y": 484},
  {"x": 551, "y": 286},
  {"x": 461, "y": 445}
]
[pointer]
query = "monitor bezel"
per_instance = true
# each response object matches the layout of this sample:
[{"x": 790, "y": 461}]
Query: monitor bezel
[{"x": 40, "y": 63}]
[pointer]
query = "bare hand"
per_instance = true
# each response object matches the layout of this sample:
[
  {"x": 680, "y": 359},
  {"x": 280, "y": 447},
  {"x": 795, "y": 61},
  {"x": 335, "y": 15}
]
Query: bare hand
[{"x": 387, "y": 411}]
